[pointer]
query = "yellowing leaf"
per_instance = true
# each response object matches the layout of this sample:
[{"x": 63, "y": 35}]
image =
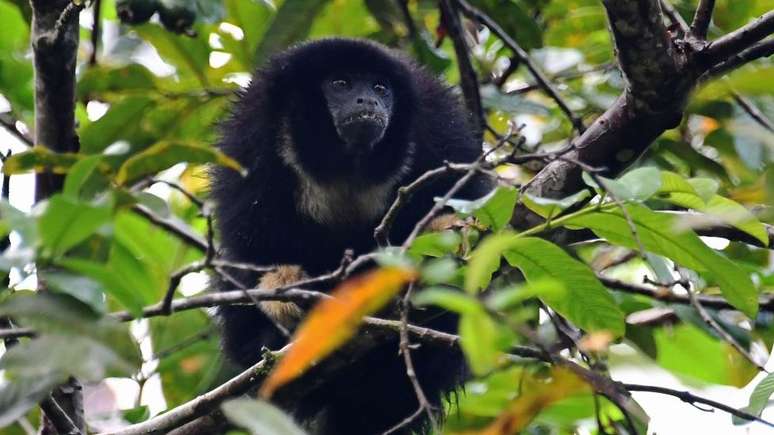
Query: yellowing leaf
[
  {"x": 163, "y": 155},
  {"x": 537, "y": 395},
  {"x": 333, "y": 321}
]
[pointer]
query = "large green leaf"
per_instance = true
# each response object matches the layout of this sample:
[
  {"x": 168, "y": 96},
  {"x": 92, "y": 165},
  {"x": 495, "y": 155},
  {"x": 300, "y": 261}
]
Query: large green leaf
[
  {"x": 291, "y": 24},
  {"x": 67, "y": 222},
  {"x": 587, "y": 302},
  {"x": 658, "y": 233},
  {"x": 759, "y": 398}
]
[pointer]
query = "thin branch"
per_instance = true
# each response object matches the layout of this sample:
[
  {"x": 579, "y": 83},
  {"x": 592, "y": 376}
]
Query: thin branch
[
  {"x": 714, "y": 302},
  {"x": 712, "y": 324},
  {"x": 674, "y": 17},
  {"x": 702, "y": 18},
  {"x": 405, "y": 422},
  {"x": 7, "y": 122},
  {"x": 755, "y": 113},
  {"x": 405, "y": 350},
  {"x": 172, "y": 226},
  {"x": 693, "y": 399},
  {"x": 740, "y": 39},
  {"x": 477, "y": 15},
  {"x": 58, "y": 417}
]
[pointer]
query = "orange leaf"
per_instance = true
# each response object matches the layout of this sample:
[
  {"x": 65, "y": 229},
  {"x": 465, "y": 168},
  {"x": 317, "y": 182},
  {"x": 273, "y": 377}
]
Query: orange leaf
[
  {"x": 334, "y": 321},
  {"x": 538, "y": 395}
]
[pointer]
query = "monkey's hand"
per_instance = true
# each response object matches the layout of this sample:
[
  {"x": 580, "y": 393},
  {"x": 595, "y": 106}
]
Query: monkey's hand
[
  {"x": 285, "y": 313},
  {"x": 443, "y": 222}
]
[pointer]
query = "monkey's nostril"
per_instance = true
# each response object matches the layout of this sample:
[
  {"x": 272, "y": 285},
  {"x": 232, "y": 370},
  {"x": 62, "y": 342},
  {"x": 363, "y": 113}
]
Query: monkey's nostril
[{"x": 359, "y": 101}]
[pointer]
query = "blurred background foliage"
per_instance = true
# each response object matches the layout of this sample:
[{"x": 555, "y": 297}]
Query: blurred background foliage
[{"x": 148, "y": 102}]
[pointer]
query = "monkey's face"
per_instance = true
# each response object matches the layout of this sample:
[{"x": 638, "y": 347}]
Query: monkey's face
[{"x": 360, "y": 106}]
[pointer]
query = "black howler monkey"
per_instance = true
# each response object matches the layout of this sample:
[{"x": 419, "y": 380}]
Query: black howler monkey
[{"x": 328, "y": 131}]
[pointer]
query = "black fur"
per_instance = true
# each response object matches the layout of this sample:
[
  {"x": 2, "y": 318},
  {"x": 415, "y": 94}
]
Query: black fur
[{"x": 259, "y": 221}]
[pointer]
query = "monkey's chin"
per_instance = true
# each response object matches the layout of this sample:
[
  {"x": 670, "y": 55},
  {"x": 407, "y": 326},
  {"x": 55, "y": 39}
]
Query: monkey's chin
[{"x": 360, "y": 135}]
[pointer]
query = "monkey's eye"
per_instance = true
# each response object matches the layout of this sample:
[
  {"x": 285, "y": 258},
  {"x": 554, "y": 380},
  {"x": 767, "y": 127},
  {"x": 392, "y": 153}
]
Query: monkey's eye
[
  {"x": 380, "y": 89},
  {"x": 340, "y": 83}
]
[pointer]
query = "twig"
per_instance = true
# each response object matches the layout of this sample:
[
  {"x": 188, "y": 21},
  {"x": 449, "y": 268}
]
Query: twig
[
  {"x": 523, "y": 56},
  {"x": 439, "y": 205},
  {"x": 691, "y": 398},
  {"x": 707, "y": 318},
  {"x": 405, "y": 422},
  {"x": 95, "y": 32},
  {"x": 58, "y": 417},
  {"x": 753, "y": 111},
  {"x": 740, "y": 39},
  {"x": 71, "y": 10},
  {"x": 674, "y": 17},
  {"x": 702, "y": 18},
  {"x": 405, "y": 350},
  {"x": 382, "y": 231},
  {"x": 191, "y": 238},
  {"x": 714, "y": 302},
  {"x": 10, "y": 124}
]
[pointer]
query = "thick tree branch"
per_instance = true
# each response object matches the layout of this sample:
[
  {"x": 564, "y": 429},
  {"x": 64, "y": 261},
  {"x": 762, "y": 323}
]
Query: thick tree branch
[
  {"x": 756, "y": 51},
  {"x": 54, "y": 46},
  {"x": 468, "y": 79},
  {"x": 60, "y": 420},
  {"x": 740, "y": 39}
]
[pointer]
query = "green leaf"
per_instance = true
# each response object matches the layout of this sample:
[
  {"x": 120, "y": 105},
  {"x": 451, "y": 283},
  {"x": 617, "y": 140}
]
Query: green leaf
[
  {"x": 735, "y": 214},
  {"x": 119, "y": 123},
  {"x": 587, "y": 302},
  {"x": 636, "y": 185},
  {"x": 260, "y": 418},
  {"x": 39, "y": 159},
  {"x": 435, "y": 244},
  {"x": 448, "y": 299},
  {"x": 480, "y": 341},
  {"x": 125, "y": 277},
  {"x": 497, "y": 210},
  {"x": 512, "y": 297},
  {"x": 20, "y": 395},
  {"x": 439, "y": 270},
  {"x": 67, "y": 222},
  {"x": 548, "y": 208},
  {"x": 641, "y": 182},
  {"x": 77, "y": 356},
  {"x": 658, "y": 234},
  {"x": 165, "y": 154},
  {"x": 79, "y": 174},
  {"x": 692, "y": 353},
  {"x": 759, "y": 398},
  {"x": 99, "y": 81},
  {"x": 291, "y": 24}
]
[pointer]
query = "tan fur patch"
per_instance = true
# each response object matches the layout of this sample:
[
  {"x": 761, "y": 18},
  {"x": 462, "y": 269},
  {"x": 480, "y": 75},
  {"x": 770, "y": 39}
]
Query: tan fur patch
[
  {"x": 285, "y": 313},
  {"x": 444, "y": 222}
]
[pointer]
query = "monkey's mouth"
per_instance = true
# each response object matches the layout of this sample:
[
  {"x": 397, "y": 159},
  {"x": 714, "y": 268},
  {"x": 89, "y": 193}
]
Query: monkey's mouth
[
  {"x": 362, "y": 130},
  {"x": 365, "y": 117}
]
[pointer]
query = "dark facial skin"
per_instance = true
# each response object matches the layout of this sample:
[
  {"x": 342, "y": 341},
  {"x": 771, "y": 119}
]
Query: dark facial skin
[{"x": 360, "y": 106}]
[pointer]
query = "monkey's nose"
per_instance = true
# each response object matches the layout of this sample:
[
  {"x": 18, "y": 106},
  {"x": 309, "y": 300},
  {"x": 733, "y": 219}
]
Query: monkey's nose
[{"x": 368, "y": 102}]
